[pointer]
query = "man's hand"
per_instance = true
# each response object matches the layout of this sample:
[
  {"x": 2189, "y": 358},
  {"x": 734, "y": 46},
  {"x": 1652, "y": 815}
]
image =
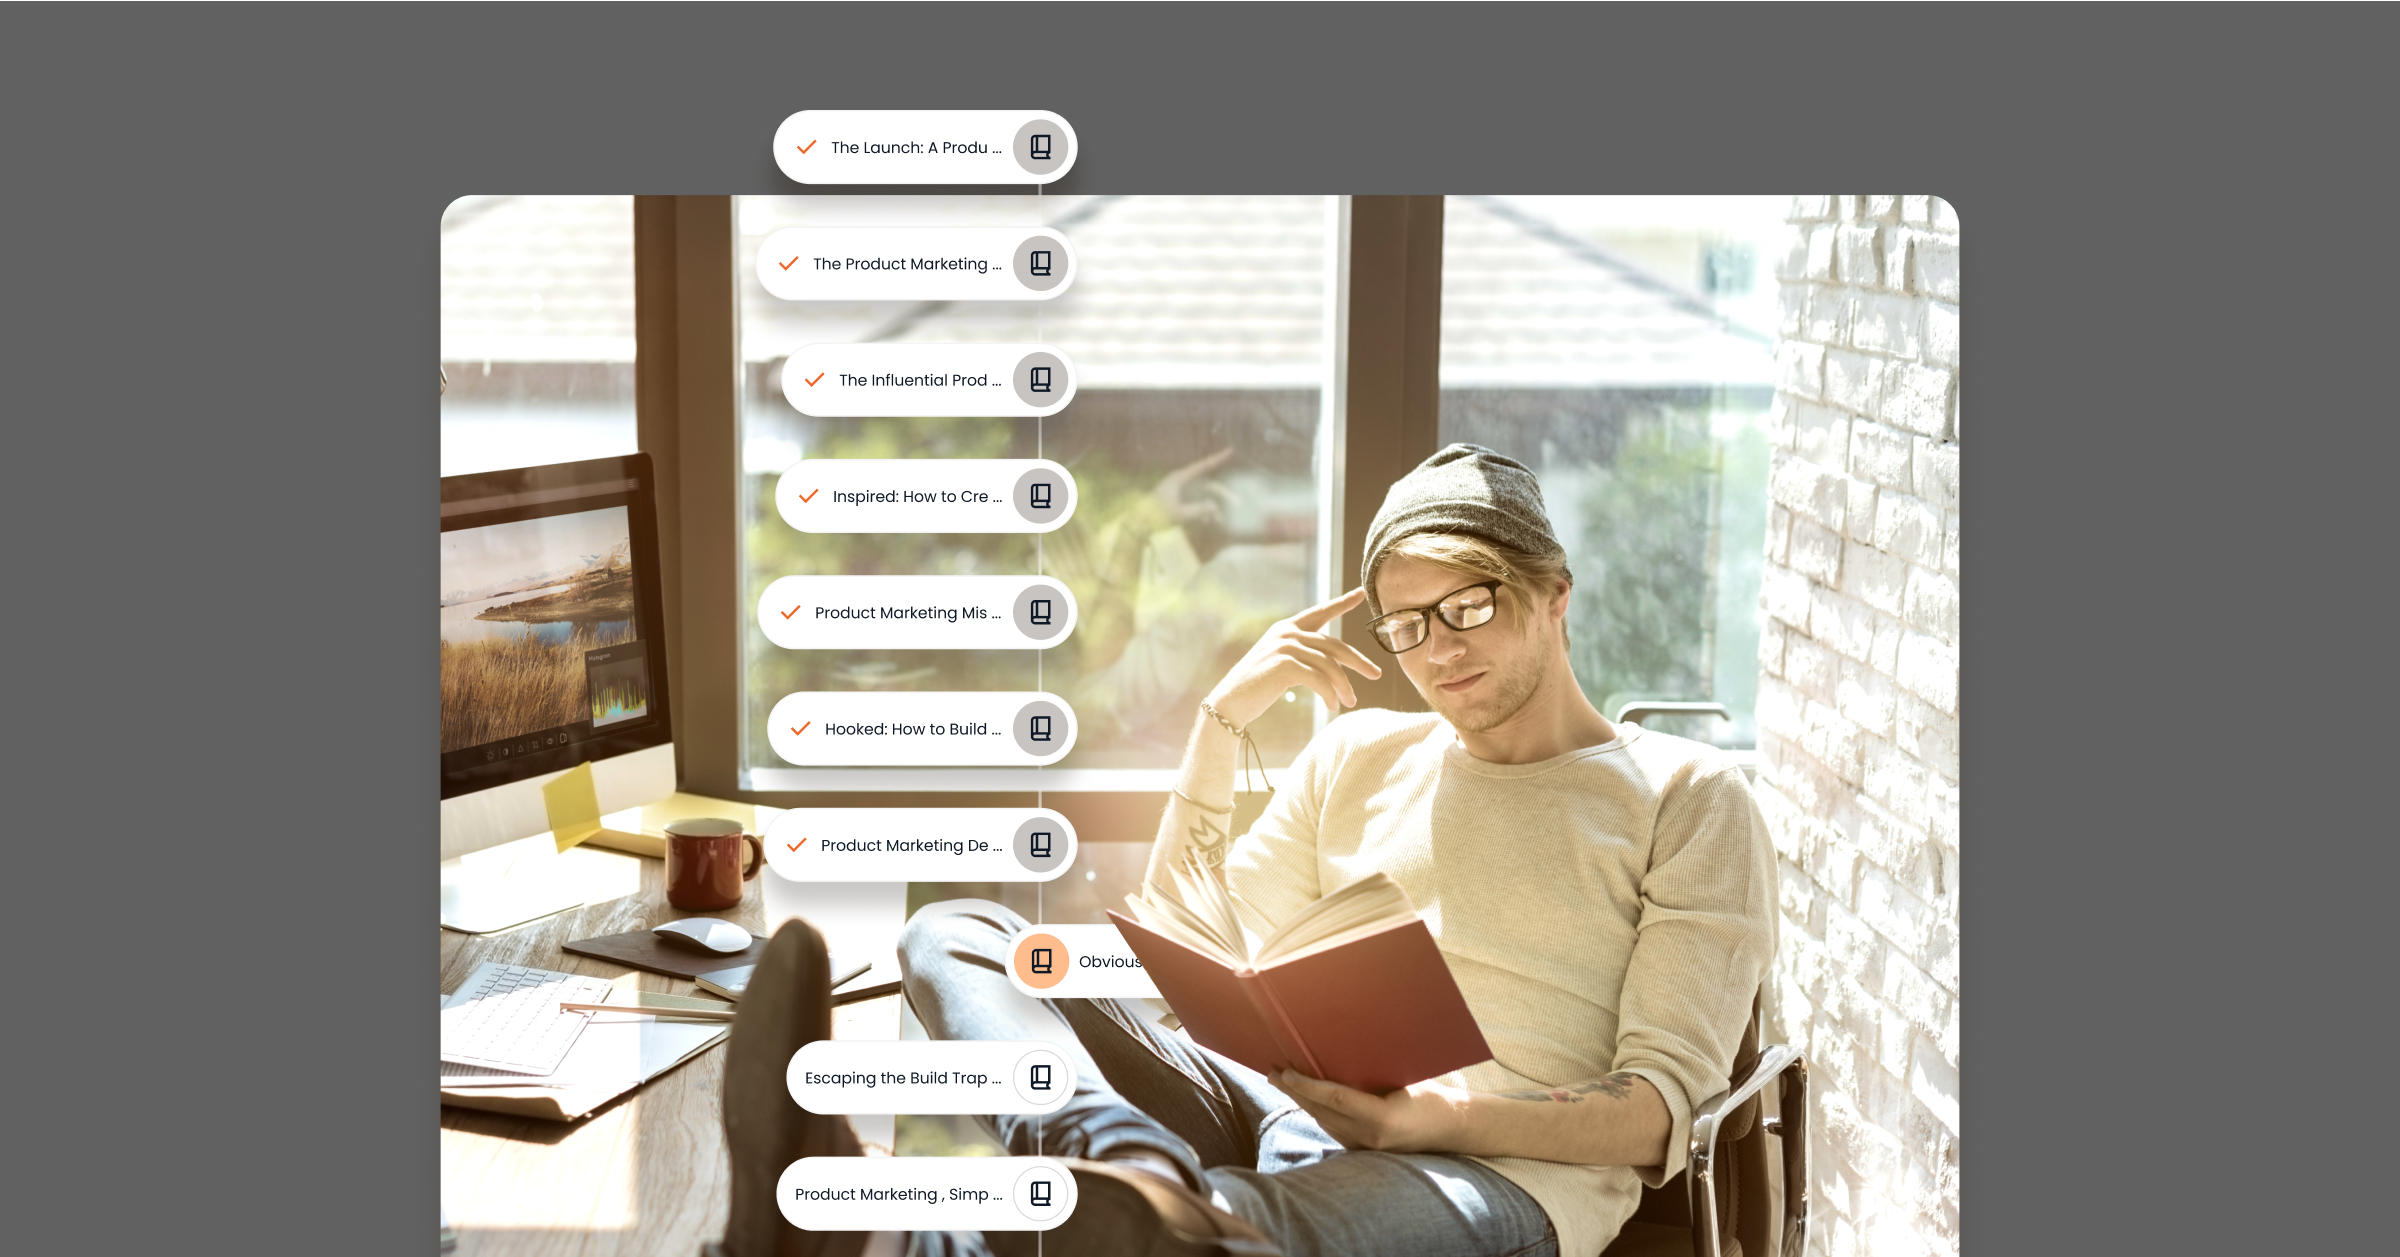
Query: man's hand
[
  {"x": 1617, "y": 1120},
  {"x": 1424, "y": 1118},
  {"x": 1295, "y": 652}
]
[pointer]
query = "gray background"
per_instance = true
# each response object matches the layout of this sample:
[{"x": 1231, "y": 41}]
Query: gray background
[{"x": 220, "y": 327}]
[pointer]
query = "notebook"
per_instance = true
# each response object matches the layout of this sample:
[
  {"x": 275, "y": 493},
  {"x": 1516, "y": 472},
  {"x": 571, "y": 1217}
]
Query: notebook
[
  {"x": 615, "y": 1053},
  {"x": 506, "y": 1017}
]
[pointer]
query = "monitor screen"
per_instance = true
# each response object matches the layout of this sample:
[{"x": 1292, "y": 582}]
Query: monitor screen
[{"x": 549, "y": 613}]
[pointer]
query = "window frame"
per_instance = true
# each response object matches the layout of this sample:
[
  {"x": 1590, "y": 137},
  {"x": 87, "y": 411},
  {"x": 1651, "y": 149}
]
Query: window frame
[{"x": 1380, "y": 416}]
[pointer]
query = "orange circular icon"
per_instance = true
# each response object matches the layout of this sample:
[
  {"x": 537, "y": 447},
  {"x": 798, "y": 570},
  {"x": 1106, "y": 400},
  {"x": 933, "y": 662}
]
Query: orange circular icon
[{"x": 1041, "y": 961}]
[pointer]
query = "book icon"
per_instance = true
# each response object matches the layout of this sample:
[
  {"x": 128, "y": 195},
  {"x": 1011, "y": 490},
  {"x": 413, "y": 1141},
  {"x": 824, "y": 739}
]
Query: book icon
[
  {"x": 1041, "y": 611},
  {"x": 1041, "y": 729},
  {"x": 1041, "y": 262},
  {"x": 1041, "y": 375},
  {"x": 1041, "y": 844},
  {"x": 1041, "y": 1193},
  {"x": 1041, "y": 146},
  {"x": 1041, "y": 959},
  {"x": 1041, "y": 1078},
  {"x": 1038, "y": 493}
]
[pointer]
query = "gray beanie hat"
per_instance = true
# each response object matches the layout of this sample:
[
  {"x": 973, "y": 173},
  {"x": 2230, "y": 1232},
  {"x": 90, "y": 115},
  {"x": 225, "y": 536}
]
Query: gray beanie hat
[{"x": 1463, "y": 489}]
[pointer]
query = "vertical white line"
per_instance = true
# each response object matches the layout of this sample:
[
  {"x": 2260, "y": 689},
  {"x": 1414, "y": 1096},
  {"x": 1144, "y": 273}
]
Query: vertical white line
[
  {"x": 1333, "y": 380},
  {"x": 1040, "y": 219}
]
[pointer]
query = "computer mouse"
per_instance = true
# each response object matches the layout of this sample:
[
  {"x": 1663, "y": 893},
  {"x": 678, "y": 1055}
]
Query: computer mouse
[{"x": 705, "y": 934}]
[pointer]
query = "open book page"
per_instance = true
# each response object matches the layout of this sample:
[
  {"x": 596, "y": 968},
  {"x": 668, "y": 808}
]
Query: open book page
[
  {"x": 1202, "y": 915},
  {"x": 1371, "y": 903},
  {"x": 1170, "y": 918},
  {"x": 1204, "y": 891},
  {"x": 1197, "y": 911}
]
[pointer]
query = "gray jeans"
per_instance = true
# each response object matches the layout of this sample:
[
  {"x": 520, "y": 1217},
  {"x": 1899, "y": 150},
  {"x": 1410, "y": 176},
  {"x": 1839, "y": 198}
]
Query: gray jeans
[{"x": 1239, "y": 1140}]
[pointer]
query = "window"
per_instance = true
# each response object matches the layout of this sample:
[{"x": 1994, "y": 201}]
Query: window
[
  {"x": 1198, "y": 325},
  {"x": 537, "y": 331},
  {"x": 1622, "y": 347}
]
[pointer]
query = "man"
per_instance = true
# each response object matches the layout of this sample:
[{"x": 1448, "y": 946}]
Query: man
[{"x": 1603, "y": 896}]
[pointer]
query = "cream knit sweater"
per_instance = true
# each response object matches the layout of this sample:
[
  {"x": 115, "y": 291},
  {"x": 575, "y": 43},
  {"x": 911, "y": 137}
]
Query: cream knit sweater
[{"x": 1609, "y": 909}]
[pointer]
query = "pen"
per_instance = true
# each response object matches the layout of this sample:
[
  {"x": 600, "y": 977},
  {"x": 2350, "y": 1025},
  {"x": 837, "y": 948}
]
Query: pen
[
  {"x": 703, "y": 1014},
  {"x": 539, "y": 1080}
]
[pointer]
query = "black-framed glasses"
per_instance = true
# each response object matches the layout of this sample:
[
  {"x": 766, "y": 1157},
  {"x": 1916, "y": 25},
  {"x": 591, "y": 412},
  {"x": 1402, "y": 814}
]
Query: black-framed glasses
[{"x": 1406, "y": 629}]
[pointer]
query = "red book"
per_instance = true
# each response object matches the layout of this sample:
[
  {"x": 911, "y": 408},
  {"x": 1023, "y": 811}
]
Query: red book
[{"x": 1353, "y": 990}]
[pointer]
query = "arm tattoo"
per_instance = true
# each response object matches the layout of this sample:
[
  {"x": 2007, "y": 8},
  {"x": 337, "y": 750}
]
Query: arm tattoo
[
  {"x": 1616, "y": 1086},
  {"x": 1208, "y": 840}
]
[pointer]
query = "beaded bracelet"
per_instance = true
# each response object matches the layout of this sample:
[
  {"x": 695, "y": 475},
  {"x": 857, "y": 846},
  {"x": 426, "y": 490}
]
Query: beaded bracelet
[
  {"x": 1219, "y": 717},
  {"x": 1249, "y": 751}
]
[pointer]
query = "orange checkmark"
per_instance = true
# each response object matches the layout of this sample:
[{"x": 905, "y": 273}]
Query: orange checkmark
[
  {"x": 797, "y": 845},
  {"x": 803, "y": 727},
  {"x": 812, "y": 380},
  {"x": 789, "y": 614},
  {"x": 810, "y": 494},
  {"x": 805, "y": 147},
  {"x": 787, "y": 265}
]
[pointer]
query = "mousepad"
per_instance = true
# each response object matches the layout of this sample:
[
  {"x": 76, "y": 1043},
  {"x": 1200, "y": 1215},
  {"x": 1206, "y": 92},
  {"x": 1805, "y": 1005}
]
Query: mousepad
[{"x": 641, "y": 949}]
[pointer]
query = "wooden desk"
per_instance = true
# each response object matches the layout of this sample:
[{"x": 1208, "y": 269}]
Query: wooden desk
[{"x": 645, "y": 1175}]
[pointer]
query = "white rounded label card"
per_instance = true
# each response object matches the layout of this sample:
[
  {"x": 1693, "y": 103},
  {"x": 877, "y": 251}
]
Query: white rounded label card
[
  {"x": 917, "y": 612},
  {"x": 916, "y": 263},
  {"x": 936, "y": 1076},
  {"x": 921, "y": 844},
  {"x": 948, "y": 728},
  {"x": 924, "y": 146},
  {"x": 1077, "y": 962},
  {"x": 843, "y": 495},
  {"x": 907, "y": 380},
  {"x": 926, "y": 1193}
]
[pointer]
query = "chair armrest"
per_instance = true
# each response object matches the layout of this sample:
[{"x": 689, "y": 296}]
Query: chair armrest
[{"x": 1791, "y": 1124}]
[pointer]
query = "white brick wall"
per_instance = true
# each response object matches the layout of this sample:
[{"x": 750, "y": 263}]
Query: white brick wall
[{"x": 1858, "y": 710}]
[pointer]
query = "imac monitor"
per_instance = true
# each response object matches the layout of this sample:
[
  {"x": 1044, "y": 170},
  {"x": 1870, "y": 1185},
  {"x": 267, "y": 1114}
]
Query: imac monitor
[{"x": 551, "y": 657}]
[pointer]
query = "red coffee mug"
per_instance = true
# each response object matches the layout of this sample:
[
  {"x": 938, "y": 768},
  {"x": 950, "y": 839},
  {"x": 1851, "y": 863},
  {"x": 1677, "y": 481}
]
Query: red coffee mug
[{"x": 704, "y": 863}]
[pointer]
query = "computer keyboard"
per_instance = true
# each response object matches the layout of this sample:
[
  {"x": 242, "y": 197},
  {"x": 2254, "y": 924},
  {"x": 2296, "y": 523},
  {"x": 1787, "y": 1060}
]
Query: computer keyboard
[{"x": 507, "y": 1017}]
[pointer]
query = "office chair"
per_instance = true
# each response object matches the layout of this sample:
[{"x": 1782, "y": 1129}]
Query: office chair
[{"x": 1720, "y": 1206}]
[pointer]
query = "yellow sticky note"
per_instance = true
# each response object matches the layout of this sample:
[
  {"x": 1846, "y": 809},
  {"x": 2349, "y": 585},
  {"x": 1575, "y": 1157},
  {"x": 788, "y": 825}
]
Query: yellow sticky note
[{"x": 574, "y": 806}]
